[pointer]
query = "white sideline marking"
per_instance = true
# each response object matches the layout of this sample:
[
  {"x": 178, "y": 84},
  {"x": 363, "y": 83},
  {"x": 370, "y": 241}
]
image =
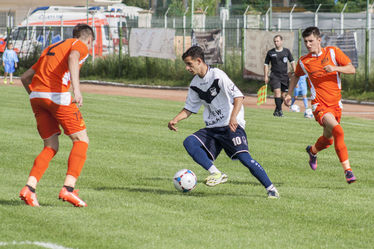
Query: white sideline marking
[{"x": 37, "y": 243}]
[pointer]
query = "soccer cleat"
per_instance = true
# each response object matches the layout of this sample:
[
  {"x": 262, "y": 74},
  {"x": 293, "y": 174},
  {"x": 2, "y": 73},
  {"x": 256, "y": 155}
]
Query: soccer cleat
[
  {"x": 273, "y": 194},
  {"x": 71, "y": 197},
  {"x": 312, "y": 158},
  {"x": 278, "y": 114},
  {"x": 28, "y": 197},
  {"x": 215, "y": 179},
  {"x": 5, "y": 81},
  {"x": 349, "y": 176},
  {"x": 11, "y": 82}
]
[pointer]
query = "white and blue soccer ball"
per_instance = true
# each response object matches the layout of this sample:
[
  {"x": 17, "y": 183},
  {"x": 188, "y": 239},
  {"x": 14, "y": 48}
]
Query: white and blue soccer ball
[
  {"x": 295, "y": 108},
  {"x": 308, "y": 113},
  {"x": 185, "y": 180}
]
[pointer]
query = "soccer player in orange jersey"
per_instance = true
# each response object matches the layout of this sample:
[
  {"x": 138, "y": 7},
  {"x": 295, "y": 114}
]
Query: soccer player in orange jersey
[
  {"x": 323, "y": 67},
  {"x": 47, "y": 83}
]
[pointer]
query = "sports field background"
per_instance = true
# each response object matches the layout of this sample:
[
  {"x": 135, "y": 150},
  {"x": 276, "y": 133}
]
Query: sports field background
[{"x": 132, "y": 203}]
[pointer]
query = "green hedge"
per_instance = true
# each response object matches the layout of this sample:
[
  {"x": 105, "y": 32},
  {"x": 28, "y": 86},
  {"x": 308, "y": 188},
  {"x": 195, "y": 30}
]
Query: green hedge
[{"x": 154, "y": 71}]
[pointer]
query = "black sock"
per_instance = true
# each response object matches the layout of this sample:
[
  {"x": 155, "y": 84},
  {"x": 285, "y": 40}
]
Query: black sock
[
  {"x": 68, "y": 188},
  {"x": 278, "y": 103},
  {"x": 31, "y": 188}
]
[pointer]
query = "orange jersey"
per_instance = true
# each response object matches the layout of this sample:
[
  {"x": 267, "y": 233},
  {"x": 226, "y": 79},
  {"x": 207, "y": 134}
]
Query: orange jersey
[
  {"x": 325, "y": 86},
  {"x": 52, "y": 71}
]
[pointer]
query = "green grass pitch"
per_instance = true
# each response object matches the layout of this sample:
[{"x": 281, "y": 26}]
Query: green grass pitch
[{"x": 132, "y": 203}]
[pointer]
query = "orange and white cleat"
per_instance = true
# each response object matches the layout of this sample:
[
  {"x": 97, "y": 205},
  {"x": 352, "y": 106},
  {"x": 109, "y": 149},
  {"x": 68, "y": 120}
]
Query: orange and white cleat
[
  {"x": 71, "y": 197},
  {"x": 28, "y": 197}
]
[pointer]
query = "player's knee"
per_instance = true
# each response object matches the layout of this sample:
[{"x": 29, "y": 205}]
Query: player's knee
[
  {"x": 80, "y": 136},
  {"x": 190, "y": 143},
  {"x": 337, "y": 131}
]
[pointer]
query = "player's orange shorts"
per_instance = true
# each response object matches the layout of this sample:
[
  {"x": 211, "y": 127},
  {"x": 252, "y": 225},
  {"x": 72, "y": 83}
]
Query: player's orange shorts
[
  {"x": 321, "y": 110},
  {"x": 49, "y": 116}
]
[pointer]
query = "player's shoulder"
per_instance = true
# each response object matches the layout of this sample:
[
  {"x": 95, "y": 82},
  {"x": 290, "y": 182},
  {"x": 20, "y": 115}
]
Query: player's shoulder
[
  {"x": 305, "y": 57},
  {"x": 217, "y": 73}
]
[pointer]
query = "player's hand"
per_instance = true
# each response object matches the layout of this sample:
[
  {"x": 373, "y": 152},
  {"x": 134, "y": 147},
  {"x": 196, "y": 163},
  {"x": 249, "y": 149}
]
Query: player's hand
[
  {"x": 78, "y": 99},
  {"x": 287, "y": 100},
  {"x": 329, "y": 68},
  {"x": 233, "y": 124},
  {"x": 171, "y": 125},
  {"x": 266, "y": 80}
]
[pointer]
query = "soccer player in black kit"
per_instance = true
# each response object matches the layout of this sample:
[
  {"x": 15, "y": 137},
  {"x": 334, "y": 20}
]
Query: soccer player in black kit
[{"x": 278, "y": 57}]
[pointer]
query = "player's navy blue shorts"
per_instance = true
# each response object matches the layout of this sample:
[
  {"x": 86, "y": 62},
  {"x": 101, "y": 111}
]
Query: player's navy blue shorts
[{"x": 216, "y": 139}]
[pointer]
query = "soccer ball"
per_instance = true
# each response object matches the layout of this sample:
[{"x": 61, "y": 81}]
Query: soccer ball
[
  {"x": 185, "y": 180},
  {"x": 295, "y": 108},
  {"x": 308, "y": 113}
]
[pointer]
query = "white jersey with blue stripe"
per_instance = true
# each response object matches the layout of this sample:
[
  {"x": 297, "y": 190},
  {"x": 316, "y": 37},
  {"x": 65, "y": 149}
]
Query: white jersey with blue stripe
[{"x": 216, "y": 92}]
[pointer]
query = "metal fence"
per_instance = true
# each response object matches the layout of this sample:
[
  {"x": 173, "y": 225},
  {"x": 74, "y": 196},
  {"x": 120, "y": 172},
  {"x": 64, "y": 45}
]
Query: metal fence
[{"x": 27, "y": 40}]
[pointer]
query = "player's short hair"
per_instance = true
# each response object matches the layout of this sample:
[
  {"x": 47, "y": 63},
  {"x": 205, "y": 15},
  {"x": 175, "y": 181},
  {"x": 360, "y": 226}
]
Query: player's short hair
[
  {"x": 311, "y": 31},
  {"x": 195, "y": 52},
  {"x": 280, "y": 37},
  {"x": 8, "y": 44},
  {"x": 83, "y": 30}
]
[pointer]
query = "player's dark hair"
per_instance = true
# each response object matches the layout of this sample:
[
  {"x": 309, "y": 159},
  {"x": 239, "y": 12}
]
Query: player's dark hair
[
  {"x": 311, "y": 31},
  {"x": 83, "y": 30},
  {"x": 280, "y": 37},
  {"x": 195, "y": 52}
]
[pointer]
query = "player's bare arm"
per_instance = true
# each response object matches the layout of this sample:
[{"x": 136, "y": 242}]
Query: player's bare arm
[
  {"x": 26, "y": 79},
  {"x": 291, "y": 87},
  {"x": 266, "y": 73},
  {"x": 73, "y": 62},
  {"x": 347, "y": 69},
  {"x": 238, "y": 102},
  {"x": 183, "y": 114}
]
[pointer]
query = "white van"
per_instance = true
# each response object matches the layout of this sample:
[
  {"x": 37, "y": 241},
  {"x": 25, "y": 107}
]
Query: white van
[{"x": 50, "y": 24}]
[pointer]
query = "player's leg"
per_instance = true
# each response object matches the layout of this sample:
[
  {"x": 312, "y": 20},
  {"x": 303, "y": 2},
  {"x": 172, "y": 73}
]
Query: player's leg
[
  {"x": 258, "y": 171},
  {"x": 49, "y": 130},
  {"x": 11, "y": 78},
  {"x": 333, "y": 127},
  {"x": 236, "y": 147},
  {"x": 203, "y": 149},
  {"x": 77, "y": 158},
  {"x": 305, "y": 101}
]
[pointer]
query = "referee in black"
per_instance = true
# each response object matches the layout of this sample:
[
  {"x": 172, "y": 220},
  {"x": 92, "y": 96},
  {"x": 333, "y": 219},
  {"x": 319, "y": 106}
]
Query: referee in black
[{"x": 279, "y": 78}]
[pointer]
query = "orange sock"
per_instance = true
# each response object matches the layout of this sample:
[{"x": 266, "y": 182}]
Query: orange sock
[
  {"x": 77, "y": 158},
  {"x": 323, "y": 143},
  {"x": 41, "y": 162},
  {"x": 340, "y": 147}
]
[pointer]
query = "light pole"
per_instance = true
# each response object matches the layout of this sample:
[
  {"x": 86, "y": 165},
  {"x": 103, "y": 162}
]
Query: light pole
[{"x": 87, "y": 10}]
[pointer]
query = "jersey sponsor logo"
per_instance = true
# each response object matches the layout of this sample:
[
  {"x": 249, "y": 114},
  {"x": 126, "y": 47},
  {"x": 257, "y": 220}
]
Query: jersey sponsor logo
[{"x": 210, "y": 94}]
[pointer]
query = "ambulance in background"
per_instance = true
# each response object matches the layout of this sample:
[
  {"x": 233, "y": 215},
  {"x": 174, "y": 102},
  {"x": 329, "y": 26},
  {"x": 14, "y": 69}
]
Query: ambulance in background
[
  {"x": 117, "y": 16},
  {"x": 50, "y": 24}
]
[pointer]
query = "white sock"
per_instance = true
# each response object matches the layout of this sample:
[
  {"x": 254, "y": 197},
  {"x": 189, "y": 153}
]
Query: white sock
[
  {"x": 271, "y": 187},
  {"x": 213, "y": 170}
]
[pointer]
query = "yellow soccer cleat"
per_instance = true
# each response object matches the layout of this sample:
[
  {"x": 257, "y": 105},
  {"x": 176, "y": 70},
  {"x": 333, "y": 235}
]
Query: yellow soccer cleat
[{"x": 215, "y": 179}]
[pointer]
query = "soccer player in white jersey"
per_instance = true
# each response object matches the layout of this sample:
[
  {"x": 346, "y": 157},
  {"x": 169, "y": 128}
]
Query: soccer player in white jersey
[{"x": 224, "y": 119}]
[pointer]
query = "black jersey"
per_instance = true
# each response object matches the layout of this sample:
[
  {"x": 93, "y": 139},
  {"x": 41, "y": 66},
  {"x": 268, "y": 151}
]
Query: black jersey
[{"x": 279, "y": 61}]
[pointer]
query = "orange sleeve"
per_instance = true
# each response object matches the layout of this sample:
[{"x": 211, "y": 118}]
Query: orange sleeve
[
  {"x": 341, "y": 58},
  {"x": 299, "y": 72},
  {"x": 81, "y": 48}
]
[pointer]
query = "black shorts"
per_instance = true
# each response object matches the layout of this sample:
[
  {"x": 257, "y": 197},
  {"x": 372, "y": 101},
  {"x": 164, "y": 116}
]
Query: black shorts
[
  {"x": 279, "y": 81},
  {"x": 216, "y": 139}
]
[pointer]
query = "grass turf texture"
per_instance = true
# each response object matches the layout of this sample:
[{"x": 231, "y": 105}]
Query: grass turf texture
[{"x": 132, "y": 203}]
